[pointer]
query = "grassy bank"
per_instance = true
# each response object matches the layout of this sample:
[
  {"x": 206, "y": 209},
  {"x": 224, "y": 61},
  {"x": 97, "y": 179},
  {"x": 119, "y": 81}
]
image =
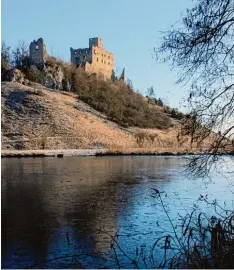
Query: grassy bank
[{"x": 102, "y": 152}]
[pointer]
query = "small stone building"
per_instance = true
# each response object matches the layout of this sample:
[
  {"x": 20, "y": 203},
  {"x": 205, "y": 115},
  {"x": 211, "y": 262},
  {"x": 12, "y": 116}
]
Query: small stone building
[
  {"x": 94, "y": 59},
  {"x": 37, "y": 51}
]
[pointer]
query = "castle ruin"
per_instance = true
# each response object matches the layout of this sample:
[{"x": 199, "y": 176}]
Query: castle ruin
[
  {"x": 37, "y": 52},
  {"x": 94, "y": 59}
]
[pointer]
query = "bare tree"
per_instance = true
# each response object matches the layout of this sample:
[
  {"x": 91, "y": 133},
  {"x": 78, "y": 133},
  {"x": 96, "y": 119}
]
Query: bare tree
[
  {"x": 21, "y": 54},
  {"x": 5, "y": 56},
  {"x": 6, "y": 64},
  {"x": 202, "y": 48},
  {"x": 150, "y": 92},
  {"x": 129, "y": 84}
]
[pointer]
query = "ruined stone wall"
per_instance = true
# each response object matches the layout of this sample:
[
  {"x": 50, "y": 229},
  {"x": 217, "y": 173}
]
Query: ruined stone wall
[
  {"x": 80, "y": 56},
  {"x": 95, "y": 42},
  {"x": 94, "y": 59},
  {"x": 37, "y": 50},
  {"x": 102, "y": 61}
]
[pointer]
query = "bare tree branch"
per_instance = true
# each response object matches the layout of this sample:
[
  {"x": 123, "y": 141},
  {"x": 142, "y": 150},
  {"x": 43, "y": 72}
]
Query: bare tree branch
[{"x": 202, "y": 48}]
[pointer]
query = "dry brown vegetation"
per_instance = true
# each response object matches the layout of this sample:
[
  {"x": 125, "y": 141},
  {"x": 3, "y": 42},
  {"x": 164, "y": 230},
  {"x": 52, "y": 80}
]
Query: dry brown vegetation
[
  {"x": 116, "y": 99},
  {"x": 120, "y": 103},
  {"x": 36, "y": 118}
]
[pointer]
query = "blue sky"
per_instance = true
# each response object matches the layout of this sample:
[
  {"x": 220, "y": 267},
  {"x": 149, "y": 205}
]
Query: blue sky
[{"x": 129, "y": 28}]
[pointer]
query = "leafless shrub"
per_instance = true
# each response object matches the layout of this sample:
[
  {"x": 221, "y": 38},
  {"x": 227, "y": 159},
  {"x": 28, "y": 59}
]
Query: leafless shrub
[
  {"x": 140, "y": 138},
  {"x": 198, "y": 241}
]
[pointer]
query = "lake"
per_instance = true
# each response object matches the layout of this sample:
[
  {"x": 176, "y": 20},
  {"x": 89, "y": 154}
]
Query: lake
[{"x": 54, "y": 208}]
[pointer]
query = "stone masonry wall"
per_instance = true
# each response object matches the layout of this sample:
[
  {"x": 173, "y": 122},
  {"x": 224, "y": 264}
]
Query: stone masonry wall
[
  {"x": 94, "y": 59},
  {"x": 37, "y": 51}
]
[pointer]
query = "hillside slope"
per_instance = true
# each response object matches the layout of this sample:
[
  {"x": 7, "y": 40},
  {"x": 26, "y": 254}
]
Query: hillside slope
[{"x": 37, "y": 118}]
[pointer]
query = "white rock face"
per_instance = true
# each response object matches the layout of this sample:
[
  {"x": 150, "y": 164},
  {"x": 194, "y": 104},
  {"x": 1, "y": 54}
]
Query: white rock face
[{"x": 54, "y": 77}]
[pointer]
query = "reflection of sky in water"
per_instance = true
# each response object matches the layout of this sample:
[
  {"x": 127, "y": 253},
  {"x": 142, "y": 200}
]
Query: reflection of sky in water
[{"x": 44, "y": 200}]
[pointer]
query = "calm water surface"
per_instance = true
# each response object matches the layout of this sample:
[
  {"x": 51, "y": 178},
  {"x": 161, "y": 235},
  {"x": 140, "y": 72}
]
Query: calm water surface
[{"x": 54, "y": 208}]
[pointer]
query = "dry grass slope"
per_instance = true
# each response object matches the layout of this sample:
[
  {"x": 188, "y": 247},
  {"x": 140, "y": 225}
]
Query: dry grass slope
[{"x": 38, "y": 118}]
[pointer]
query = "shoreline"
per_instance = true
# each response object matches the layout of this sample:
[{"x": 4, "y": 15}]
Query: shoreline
[
  {"x": 59, "y": 153},
  {"x": 52, "y": 153}
]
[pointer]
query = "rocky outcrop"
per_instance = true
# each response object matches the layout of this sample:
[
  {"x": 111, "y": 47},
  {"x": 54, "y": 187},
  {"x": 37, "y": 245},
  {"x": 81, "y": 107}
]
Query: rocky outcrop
[
  {"x": 15, "y": 75},
  {"x": 51, "y": 74},
  {"x": 53, "y": 77}
]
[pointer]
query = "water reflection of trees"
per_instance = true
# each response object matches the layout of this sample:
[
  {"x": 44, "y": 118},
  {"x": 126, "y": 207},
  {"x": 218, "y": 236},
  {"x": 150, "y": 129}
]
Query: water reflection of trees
[
  {"x": 82, "y": 195},
  {"x": 25, "y": 227}
]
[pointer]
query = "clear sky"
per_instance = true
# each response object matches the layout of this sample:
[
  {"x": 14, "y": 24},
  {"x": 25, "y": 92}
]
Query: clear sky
[{"x": 129, "y": 28}]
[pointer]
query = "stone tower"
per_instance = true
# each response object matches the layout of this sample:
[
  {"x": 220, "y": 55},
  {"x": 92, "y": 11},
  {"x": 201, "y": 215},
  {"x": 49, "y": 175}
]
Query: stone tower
[
  {"x": 96, "y": 42},
  {"x": 94, "y": 59},
  {"x": 37, "y": 50}
]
